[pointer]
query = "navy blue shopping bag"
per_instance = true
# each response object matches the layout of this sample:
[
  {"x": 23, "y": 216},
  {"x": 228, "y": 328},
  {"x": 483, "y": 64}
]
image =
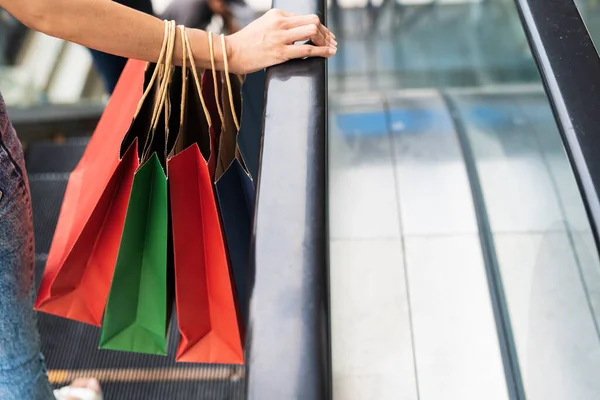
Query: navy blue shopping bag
[{"x": 237, "y": 164}]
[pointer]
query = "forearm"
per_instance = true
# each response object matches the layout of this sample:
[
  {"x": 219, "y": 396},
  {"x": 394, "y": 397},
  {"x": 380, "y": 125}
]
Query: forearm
[{"x": 107, "y": 26}]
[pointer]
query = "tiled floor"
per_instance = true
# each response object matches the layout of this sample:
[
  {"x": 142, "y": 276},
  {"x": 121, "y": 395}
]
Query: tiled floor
[
  {"x": 411, "y": 315},
  {"x": 411, "y": 309},
  {"x": 539, "y": 226}
]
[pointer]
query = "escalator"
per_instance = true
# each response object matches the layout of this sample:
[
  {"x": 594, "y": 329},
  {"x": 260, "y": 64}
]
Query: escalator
[
  {"x": 464, "y": 251},
  {"x": 422, "y": 272},
  {"x": 437, "y": 241}
]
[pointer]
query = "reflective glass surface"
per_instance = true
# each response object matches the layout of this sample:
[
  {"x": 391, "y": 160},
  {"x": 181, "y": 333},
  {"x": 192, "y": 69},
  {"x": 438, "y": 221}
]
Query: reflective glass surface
[{"x": 437, "y": 106}]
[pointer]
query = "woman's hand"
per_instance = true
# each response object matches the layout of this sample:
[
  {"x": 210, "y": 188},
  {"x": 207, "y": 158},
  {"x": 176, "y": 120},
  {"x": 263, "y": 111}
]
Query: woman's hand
[
  {"x": 113, "y": 28},
  {"x": 270, "y": 40}
]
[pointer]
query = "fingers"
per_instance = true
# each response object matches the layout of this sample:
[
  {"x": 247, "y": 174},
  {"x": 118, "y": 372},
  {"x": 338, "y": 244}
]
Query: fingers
[
  {"x": 286, "y": 14},
  {"x": 297, "y": 20},
  {"x": 306, "y": 50},
  {"x": 293, "y": 21},
  {"x": 300, "y": 20},
  {"x": 291, "y": 28},
  {"x": 305, "y": 32}
]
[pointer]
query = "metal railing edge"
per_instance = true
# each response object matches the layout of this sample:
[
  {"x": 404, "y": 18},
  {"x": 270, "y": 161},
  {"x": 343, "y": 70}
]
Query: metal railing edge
[
  {"x": 569, "y": 66},
  {"x": 288, "y": 343}
]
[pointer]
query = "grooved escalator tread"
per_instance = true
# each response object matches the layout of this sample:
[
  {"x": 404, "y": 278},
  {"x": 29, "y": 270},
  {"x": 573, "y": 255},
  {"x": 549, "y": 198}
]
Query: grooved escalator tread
[
  {"x": 47, "y": 192},
  {"x": 46, "y": 157},
  {"x": 173, "y": 390}
]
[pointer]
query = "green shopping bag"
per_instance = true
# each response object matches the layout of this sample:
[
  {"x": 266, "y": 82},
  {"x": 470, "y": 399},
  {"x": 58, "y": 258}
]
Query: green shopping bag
[{"x": 137, "y": 313}]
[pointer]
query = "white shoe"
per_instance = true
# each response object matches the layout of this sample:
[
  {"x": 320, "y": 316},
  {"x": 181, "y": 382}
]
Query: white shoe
[{"x": 89, "y": 391}]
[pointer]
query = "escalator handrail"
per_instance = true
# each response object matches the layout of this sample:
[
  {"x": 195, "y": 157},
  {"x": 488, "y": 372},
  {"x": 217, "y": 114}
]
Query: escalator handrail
[
  {"x": 570, "y": 69},
  {"x": 288, "y": 354}
]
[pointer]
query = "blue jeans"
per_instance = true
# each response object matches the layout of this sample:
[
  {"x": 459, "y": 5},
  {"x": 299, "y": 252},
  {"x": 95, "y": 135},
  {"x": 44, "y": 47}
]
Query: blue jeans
[{"x": 22, "y": 370}]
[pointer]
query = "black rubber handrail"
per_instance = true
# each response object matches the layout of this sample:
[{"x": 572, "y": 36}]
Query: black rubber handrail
[
  {"x": 570, "y": 68},
  {"x": 288, "y": 354}
]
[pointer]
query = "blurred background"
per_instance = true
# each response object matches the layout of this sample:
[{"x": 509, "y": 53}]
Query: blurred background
[
  {"x": 36, "y": 69},
  {"x": 447, "y": 175}
]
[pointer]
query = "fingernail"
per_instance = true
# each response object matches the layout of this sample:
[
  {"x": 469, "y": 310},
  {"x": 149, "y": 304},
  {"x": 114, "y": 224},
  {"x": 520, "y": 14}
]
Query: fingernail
[
  {"x": 332, "y": 51},
  {"x": 334, "y": 42}
]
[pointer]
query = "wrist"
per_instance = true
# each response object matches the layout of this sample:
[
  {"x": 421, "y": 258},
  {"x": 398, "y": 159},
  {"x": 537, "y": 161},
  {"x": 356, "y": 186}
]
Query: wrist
[
  {"x": 232, "y": 52},
  {"x": 201, "y": 50}
]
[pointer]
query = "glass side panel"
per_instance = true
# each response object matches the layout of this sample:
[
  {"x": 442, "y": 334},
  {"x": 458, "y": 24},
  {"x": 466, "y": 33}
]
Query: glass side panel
[
  {"x": 590, "y": 11},
  {"x": 412, "y": 315}
]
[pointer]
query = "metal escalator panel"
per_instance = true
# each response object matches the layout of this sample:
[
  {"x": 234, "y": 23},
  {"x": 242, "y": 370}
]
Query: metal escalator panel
[
  {"x": 543, "y": 241},
  {"x": 411, "y": 314},
  {"x": 463, "y": 262}
]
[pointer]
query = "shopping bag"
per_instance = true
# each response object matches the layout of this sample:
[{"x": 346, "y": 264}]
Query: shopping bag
[
  {"x": 136, "y": 315},
  {"x": 235, "y": 189},
  {"x": 84, "y": 249},
  {"x": 136, "y": 312},
  {"x": 253, "y": 91},
  {"x": 206, "y": 313},
  {"x": 235, "y": 193}
]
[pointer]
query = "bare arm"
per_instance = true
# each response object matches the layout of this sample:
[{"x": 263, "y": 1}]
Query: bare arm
[
  {"x": 113, "y": 28},
  {"x": 104, "y": 25}
]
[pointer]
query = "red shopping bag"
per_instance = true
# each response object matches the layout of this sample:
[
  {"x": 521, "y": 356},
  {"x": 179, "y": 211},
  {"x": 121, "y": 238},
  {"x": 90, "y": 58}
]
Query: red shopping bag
[
  {"x": 206, "y": 310},
  {"x": 84, "y": 249}
]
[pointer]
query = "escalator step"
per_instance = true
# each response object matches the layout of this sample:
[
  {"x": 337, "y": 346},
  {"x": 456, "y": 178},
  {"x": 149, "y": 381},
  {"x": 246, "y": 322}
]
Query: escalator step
[
  {"x": 73, "y": 346},
  {"x": 216, "y": 390},
  {"x": 47, "y": 192},
  {"x": 47, "y": 157}
]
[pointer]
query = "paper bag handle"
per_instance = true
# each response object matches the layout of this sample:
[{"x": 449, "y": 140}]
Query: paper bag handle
[
  {"x": 214, "y": 74},
  {"x": 167, "y": 69},
  {"x": 226, "y": 62},
  {"x": 195, "y": 74}
]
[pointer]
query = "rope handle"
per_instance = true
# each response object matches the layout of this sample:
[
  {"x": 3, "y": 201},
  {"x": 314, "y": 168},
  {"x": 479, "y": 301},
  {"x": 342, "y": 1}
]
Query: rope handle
[
  {"x": 183, "y": 74},
  {"x": 168, "y": 66},
  {"x": 166, "y": 71},
  {"x": 214, "y": 74},
  {"x": 195, "y": 75},
  {"x": 161, "y": 57},
  {"x": 226, "y": 62},
  {"x": 183, "y": 96}
]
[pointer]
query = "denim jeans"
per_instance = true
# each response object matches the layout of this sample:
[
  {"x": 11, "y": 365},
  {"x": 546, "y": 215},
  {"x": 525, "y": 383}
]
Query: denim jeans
[{"x": 22, "y": 370}]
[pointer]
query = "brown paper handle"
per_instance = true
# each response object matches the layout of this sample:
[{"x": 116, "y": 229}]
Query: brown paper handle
[
  {"x": 167, "y": 69},
  {"x": 226, "y": 62},
  {"x": 214, "y": 74},
  {"x": 183, "y": 98},
  {"x": 168, "y": 66},
  {"x": 184, "y": 49},
  {"x": 195, "y": 75},
  {"x": 161, "y": 57}
]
